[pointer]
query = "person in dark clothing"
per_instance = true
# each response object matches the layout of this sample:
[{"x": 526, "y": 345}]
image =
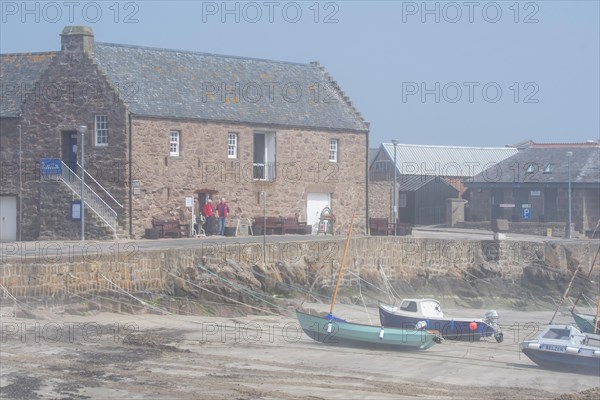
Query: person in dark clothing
[
  {"x": 222, "y": 213},
  {"x": 210, "y": 219}
]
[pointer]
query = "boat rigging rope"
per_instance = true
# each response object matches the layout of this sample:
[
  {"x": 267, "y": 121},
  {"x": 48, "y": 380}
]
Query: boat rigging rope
[
  {"x": 220, "y": 295},
  {"x": 245, "y": 290},
  {"x": 388, "y": 286},
  {"x": 145, "y": 303},
  {"x": 361, "y": 296}
]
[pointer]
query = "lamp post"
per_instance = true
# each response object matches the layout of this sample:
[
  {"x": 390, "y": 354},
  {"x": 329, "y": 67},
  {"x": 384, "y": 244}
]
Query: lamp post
[
  {"x": 569, "y": 155},
  {"x": 395, "y": 143},
  {"x": 82, "y": 130}
]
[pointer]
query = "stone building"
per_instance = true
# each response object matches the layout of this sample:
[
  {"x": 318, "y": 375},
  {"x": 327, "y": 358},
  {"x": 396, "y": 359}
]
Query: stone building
[
  {"x": 426, "y": 176},
  {"x": 163, "y": 125},
  {"x": 532, "y": 186}
]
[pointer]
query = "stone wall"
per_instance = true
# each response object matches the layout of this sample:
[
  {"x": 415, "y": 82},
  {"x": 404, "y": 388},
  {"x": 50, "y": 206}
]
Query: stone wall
[
  {"x": 559, "y": 229},
  {"x": 467, "y": 269}
]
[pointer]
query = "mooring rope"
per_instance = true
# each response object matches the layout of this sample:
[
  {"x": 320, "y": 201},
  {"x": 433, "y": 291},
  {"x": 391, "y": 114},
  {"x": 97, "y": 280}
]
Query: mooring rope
[
  {"x": 145, "y": 303},
  {"x": 294, "y": 287},
  {"x": 245, "y": 290},
  {"x": 18, "y": 303},
  {"x": 220, "y": 295}
]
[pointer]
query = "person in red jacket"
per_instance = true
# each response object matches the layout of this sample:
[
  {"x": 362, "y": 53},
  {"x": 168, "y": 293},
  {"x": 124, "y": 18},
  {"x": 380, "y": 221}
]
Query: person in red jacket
[
  {"x": 210, "y": 219},
  {"x": 222, "y": 213}
]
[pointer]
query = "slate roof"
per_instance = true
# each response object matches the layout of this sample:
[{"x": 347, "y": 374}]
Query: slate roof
[
  {"x": 183, "y": 84},
  {"x": 453, "y": 161},
  {"x": 18, "y": 74},
  {"x": 546, "y": 165},
  {"x": 411, "y": 183}
]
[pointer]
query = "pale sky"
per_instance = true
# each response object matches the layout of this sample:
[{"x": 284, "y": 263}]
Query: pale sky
[{"x": 451, "y": 73}]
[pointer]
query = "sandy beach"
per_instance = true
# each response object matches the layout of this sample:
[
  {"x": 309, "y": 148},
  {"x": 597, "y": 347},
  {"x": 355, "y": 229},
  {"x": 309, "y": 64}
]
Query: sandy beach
[{"x": 109, "y": 355}]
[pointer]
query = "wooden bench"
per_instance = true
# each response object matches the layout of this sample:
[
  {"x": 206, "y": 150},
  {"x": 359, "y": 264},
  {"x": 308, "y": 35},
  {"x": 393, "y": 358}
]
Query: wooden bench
[
  {"x": 380, "y": 226},
  {"x": 170, "y": 228},
  {"x": 273, "y": 225},
  {"x": 292, "y": 225}
]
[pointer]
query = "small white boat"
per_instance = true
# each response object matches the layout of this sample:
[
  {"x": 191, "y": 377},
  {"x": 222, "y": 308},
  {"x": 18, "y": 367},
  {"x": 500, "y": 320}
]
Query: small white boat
[
  {"x": 413, "y": 313},
  {"x": 564, "y": 347}
]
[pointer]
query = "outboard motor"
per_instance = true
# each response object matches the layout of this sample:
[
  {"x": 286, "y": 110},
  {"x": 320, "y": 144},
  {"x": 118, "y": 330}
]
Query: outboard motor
[{"x": 491, "y": 318}]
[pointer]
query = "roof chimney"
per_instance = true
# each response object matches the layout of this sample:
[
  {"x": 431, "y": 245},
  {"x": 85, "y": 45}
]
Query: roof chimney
[{"x": 77, "y": 40}]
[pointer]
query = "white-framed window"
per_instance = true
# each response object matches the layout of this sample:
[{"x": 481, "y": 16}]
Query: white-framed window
[
  {"x": 232, "y": 140},
  {"x": 101, "y": 130},
  {"x": 174, "y": 143},
  {"x": 333, "y": 150}
]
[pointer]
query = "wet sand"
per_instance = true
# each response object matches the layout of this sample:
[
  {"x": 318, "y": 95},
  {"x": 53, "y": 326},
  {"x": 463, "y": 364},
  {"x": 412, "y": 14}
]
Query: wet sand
[{"x": 108, "y": 355}]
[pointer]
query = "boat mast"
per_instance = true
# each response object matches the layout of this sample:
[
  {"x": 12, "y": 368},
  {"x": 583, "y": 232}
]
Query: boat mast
[
  {"x": 337, "y": 285},
  {"x": 565, "y": 294},
  {"x": 588, "y": 279}
]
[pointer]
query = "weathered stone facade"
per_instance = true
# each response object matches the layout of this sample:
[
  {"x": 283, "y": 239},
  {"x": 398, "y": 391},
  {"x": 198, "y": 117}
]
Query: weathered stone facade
[
  {"x": 70, "y": 93},
  {"x": 73, "y": 90},
  {"x": 302, "y": 167}
]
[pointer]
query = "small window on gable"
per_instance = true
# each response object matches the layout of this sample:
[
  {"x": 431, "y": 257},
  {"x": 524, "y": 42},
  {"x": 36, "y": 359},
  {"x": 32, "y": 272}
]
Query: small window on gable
[
  {"x": 333, "y": 150},
  {"x": 232, "y": 140},
  {"x": 174, "y": 143},
  {"x": 530, "y": 169},
  {"x": 101, "y": 130},
  {"x": 549, "y": 169},
  {"x": 383, "y": 165}
]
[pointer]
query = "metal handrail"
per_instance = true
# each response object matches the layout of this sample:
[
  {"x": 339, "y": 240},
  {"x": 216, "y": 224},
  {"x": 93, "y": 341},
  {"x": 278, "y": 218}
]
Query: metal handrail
[
  {"x": 268, "y": 171},
  {"x": 92, "y": 199},
  {"x": 101, "y": 187}
]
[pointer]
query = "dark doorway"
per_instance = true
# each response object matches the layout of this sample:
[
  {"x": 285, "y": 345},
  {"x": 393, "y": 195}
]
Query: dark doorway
[
  {"x": 521, "y": 197},
  {"x": 406, "y": 207},
  {"x": 497, "y": 199},
  {"x": 550, "y": 205},
  {"x": 69, "y": 149}
]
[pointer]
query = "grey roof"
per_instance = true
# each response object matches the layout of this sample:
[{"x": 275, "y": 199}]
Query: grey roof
[
  {"x": 18, "y": 75},
  {"x": 411, "y": 183},
  {"x": 372, "y": 154},
  {"x": 182, "y": 84},
  {"x": 546, "y": 165},
  {"x": 454, "y": 161}
]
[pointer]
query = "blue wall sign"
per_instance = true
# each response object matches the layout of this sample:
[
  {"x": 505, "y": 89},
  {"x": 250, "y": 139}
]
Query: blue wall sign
[
  {"x": 526, "y": 213},
  {"x": 51, "y": 166}
]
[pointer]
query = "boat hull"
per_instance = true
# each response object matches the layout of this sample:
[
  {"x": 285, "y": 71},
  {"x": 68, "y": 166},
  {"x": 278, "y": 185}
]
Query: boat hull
[
  {"x": 358, "y": 335},
  {"x": 451, "y": 329},
  {"x": 563, "y": 361}
]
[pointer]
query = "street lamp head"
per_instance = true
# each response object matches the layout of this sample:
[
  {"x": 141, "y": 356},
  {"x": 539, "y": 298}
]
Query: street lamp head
[
  {"x": 394, "y": 142},
  {"x": 82, "y": 128},
  {"x": 569, "y": 154}
]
